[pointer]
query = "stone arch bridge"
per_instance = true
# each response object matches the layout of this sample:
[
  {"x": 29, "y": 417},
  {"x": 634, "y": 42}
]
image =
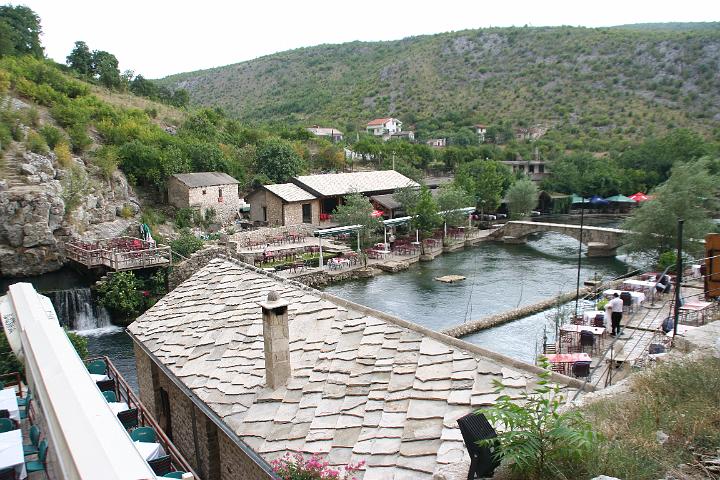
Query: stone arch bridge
[{"x": 601, "y": 242}]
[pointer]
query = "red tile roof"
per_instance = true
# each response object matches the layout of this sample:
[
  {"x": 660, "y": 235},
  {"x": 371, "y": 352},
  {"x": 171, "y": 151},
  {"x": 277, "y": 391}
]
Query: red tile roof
[{"x": 379, "y": 121}]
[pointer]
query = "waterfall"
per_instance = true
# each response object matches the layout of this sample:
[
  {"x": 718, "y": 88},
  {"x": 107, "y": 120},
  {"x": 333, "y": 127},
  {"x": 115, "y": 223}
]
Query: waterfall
[{"x": 77, "y": 310}]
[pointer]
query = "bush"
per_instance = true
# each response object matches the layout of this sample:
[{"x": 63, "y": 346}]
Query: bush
[
  {"x": 79, "y": 138},
  {"x": 184, "y": 218},
  {"x": 106, "y": 159},
  {"x": 186, "y": 244},
  {"x": 120, "y": 294},
  {"x": 126, "y": 211},
  {"x": 36, "y": 143},
  {"x": 75, "y": 186},
  {"x": 667, "y": 259},
  {"x": 79, "y": 343},
  {"x": 294, "y": 466},
  {"x": 537, "y": 436},
  {"x": 53, "y": 136},
  {"x": 63, "y": 155}
]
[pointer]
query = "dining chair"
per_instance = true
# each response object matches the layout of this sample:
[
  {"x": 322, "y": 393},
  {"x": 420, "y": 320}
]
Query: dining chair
[
  {"x": 129, "y": 418},
  {"x": 97, "y": 367},
  {"x": 32, "y": 449},
  {"x": 39, "y": 464},
  {"x": 9, "y": 474},
  {"x": 161, "y": 465},
  {"x": 6, "y": 425},
  {"x": 143, "y": 434},
  {"x": 177, "y": 474},
  {"x": 110, "y": 396}
]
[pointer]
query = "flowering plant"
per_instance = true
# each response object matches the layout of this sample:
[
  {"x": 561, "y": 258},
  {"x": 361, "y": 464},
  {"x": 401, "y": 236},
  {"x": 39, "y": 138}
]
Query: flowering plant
[{"x": 294, "y": 466}]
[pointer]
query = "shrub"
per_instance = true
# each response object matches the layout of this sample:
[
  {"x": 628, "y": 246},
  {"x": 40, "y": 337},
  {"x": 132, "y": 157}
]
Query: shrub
[
  {"x": 294, "y": 466},
  {"x": 186, "y": 244},
  {"x": 126, "y": 211},
  {"x": 667, "y": 259},
  {"x": 79, "y": 138},
  {"x": 75, "y": 185},
  {"x": 36, "y": 143},
  {"x": 121, "y": 295},
  {"x": 152, "y": 217},
  {"x": 537, "y": 436},
  {"x": 106, "y": 159},
  {"x": 79, "y": 343},
  {"x": 184, "y": 217},
  {"x": 32, "y": 117},
  {"x": 63, "y": 155},
  {"x": 53, "y": 136}
]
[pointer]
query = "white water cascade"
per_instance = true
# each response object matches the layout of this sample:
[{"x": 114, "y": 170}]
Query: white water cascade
[{"x": 77, "y": 311}]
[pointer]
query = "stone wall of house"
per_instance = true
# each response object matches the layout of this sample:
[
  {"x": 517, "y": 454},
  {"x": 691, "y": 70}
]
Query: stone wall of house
[
  {"x": 293, "y": 212},
  {"x": 210, "y": 452},
  {"x": 274, "y": 210},
  {"x": 208, "y": 197},
  {"x": 257, "y": 200},
  {"x": 177, "y": 193}
]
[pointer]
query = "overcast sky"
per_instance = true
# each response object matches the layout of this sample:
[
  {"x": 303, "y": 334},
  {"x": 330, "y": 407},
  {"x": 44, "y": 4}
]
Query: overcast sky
[{"x": 162, "y": 37}]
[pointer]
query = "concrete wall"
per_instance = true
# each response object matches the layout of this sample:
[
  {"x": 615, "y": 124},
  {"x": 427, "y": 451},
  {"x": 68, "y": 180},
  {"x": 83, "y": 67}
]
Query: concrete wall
[{"x": 209, "y": 450}]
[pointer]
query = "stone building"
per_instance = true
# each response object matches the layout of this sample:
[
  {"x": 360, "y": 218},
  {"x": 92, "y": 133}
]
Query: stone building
[
  {"x": 205, "y": 190},
  {"x": 238, "y": 376},
  {"x": 283, "y": 204}
]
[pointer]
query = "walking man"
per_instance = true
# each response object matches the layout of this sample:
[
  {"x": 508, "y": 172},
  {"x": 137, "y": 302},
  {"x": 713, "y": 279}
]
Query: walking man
[{"x": 616, "y": 307}]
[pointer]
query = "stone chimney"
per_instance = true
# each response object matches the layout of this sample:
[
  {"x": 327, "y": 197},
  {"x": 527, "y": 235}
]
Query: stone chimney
[{"x": 275, "y": 333}]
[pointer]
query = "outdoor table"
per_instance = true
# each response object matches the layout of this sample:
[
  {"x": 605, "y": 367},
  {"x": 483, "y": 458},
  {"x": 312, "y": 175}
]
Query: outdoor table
[
  {"x": 149, "y": 451},
  {"x": 695, "y": 271},
  {"x": 640, "y": 285},
  {"x": 637, "y": 297},
  {"x": 589, "y": 316},
  {"x": 98, "y": 378},
  {"x": 382, "y": 253},
  {"x": 11, "y": 452},
  {"x": 568, "y": 358},
  {"x": 118, "y": 407},
  {"x": 697, "y": 308},
  {"x": 8, "y": 401},
  {"x": 579, "y": 328}
]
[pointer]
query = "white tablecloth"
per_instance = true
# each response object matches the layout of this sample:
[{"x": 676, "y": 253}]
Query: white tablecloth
[
  {"x": 696, "y": 271},
  {"x": 590, "y": 315},
  {"x": 98, "y": 378},
  {"x": 118, "y": 407},
  {"x": 641, "y": 285},
  {"x": 8, "y": 401},
  {"x": 11, "y": 452},
  {"x": 150, "y": 451},
  {"x": 637, "y": 297}
]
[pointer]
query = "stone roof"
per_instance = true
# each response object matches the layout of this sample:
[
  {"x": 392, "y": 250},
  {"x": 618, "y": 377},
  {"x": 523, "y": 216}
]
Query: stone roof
[
  {"x": 325, "y": 131},
  {"x": 330, "y": 184},
  {"x": 289, "y": 192},
  {"x": 205, "y": 179},
  {"x": 388, "y": 201},
  {"x": 364, "y": 385}
]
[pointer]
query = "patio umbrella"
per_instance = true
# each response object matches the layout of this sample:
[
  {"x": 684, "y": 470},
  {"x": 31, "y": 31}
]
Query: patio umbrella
[
  {"x": 377, "y": 213},
  {"x": 620, "y": 199},
  {"x": 577, "y": 199},
  {"x": 598, "y": 200},
  {"x": 639, "y": 197}
]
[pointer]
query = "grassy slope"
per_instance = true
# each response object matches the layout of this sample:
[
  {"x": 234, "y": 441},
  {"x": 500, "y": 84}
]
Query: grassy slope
[{"x": 624, "y": 81}]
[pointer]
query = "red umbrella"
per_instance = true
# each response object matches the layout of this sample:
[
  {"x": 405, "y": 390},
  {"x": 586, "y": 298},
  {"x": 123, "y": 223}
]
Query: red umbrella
[
  {"x": 377, "y": 213},
  {"x": 639, "y": 197}
]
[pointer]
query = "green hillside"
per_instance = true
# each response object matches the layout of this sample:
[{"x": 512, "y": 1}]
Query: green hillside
[{"x": 626, "y": 82}]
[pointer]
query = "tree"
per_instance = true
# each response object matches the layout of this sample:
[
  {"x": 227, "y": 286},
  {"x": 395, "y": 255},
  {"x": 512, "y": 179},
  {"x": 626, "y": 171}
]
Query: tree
[
  {"x": 689, "y": 194},
  {"x": 408, "y": 197},
  {"x": 120, "y": 294},
  {"x": 357, "y": 210},
  {"x": 522, "y": 197},
  {"x": 81, "y": 59},
  {"x": 425, "y": 214},
  {"x": 19, "y": 31},
  {"x": 105, "y": 68},
  {"x": 485, "y": 181},
  {"x": 277, "y": 160},
  {"x": 451, "y": 198},
  {"x": 584, "y": 175},
  {"x": 329, "y": 156}
]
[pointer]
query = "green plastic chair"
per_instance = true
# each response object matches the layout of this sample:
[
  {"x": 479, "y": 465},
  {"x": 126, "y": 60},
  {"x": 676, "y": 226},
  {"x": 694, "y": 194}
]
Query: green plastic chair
[
  {"x": 97, "y": 367},
  {"x": 39, "y": 464},
  {"x": 143, "y": 434},
  {"x": 6, "y": 425},
  {"x": 174, "y": 475},
  {"x": 24, "y": 401},
  {"x": 110, "y": 396},
  {"x": 32, "y": 449}
]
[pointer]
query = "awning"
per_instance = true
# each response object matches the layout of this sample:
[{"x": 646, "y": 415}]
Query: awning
[
  {"x": 598, "y": 200},
  {"x": 377, "y": 213},
  {"x": 620, "y": 199},
  {"x": 639, "y": 197},
  {"x": 396, "y": 221},
  {"x": 578, "y": 199},
  {"x": 337, "y": 230}
]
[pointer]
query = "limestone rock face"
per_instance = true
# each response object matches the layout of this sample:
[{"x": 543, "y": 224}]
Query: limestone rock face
[{"x": 34, "y": 222}]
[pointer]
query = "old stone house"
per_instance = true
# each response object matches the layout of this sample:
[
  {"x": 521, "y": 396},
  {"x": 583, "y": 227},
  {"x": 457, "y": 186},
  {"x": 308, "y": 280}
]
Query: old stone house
[
  {"x": 331, "y": 133},
  {"x": 283, "y": 204},
  {"x": 238, "y": 376},
  {"x": 205, "y": 190}
]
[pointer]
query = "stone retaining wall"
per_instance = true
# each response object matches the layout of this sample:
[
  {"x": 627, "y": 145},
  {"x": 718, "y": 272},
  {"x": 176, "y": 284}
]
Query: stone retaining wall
[{"x": 521, "y": 312}]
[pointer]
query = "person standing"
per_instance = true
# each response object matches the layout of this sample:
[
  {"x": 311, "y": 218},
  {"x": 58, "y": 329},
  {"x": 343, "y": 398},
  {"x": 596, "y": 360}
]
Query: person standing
[
  {"x": 391, "y": 240},
  {"x": 616, "y": 307}
]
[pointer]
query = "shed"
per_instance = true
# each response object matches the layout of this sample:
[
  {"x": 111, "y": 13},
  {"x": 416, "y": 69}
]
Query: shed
[{"x": 205, "y": 191}]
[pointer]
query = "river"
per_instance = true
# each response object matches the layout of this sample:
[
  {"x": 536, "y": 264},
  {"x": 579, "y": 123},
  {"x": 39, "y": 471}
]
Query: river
[{"x": 499, "y": 277}]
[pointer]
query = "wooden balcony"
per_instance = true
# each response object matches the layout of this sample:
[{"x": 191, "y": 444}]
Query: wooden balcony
[{"x": 119, "y": 254}]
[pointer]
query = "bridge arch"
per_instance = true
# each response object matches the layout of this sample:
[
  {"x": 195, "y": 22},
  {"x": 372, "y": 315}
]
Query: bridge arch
[{"x": 601, "y": 241}]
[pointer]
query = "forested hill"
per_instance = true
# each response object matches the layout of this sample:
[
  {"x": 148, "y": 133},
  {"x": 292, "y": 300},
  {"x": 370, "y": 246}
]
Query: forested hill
[{"x": 629, "y": 81}]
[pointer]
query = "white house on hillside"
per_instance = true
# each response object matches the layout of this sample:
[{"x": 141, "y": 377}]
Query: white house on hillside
[
  {"x": 333, "y": 133},
  {"x": 481, "y": 130},
  {"x": 381, "y": 127}
]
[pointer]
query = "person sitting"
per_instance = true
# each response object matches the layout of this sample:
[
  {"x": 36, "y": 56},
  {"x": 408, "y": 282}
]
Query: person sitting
[{"x": 663, "y": 284}]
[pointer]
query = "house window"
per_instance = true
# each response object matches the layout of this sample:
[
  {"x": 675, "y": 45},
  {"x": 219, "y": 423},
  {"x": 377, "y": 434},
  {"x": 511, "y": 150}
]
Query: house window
[
  {"x": 306, "y": 213},
  {"x": 264, "y": 214},
  {"x": 541, "y": 168},
  {"x": 220, "y": 197},
  {"x": 531, "y": 168},
  {"x": 204, "y": 191}
]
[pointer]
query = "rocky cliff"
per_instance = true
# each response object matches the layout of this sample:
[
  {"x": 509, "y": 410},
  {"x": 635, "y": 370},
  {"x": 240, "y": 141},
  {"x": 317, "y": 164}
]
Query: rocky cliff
[{"x": 43, "y": 204}]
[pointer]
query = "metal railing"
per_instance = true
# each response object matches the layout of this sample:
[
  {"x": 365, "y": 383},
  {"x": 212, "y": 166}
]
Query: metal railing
[
  {"x": 145, "y": 419},
  {"x": 121, "y": 253}
]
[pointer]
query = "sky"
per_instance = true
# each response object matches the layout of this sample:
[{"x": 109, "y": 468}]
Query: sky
[{"x": 156, "y": 38}]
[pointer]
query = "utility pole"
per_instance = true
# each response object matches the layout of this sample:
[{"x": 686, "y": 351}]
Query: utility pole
[
  {"x": 678, "y": 276},
  {"x": 577, "y": 285}
]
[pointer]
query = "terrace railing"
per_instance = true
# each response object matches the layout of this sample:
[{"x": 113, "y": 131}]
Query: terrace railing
[
  {"x": 145, "y": 419},
  {"x": 120, "y": 253}
]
